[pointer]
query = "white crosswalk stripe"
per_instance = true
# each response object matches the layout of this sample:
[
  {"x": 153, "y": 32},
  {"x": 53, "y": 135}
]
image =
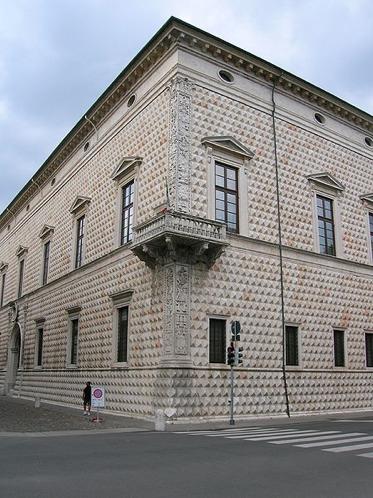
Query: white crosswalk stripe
[
  {"x": 351, "y": 448},
  {"x": 366, "y": 455},
  {"x": 303, "y": 434},
  {"x": 330, "y": 441}
]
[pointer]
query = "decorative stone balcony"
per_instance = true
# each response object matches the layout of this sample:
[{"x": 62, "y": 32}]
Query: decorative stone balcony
[{"x": 179, "y": 237}]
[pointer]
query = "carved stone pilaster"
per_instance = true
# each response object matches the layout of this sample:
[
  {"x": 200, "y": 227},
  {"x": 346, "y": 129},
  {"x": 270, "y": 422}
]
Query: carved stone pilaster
[
  {"x": 179, "y": 148},
  {"x": 176, "y": 337}
]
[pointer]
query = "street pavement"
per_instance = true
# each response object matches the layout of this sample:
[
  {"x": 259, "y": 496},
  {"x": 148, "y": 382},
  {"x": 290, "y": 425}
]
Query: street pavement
[
  {"x": 192, "y": 464},
  {"x": 19, "y": 415},
  {"x": 56, "y": 452}
]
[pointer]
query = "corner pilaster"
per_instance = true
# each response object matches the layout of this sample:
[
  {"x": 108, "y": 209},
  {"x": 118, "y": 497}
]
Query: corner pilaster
[
  {"x": 176, "y": 338},
  {"x": 179, "y": 144}
]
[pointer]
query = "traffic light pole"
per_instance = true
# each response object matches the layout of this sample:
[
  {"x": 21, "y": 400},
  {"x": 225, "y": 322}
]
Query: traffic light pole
[{"x": 231, "y": 420}]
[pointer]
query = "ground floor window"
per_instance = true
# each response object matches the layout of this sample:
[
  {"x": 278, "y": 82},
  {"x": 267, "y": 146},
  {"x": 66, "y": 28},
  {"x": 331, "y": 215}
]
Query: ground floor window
[
  {"x": 369, "y": 349},
  {"x": 122, "y": 334},
  {"x": 39, "y": 345},
  {"x": 291, "y": 341},
  {"x": 217, "y": 341},
  {"x": 339, "y": 348},
  {"x": 74, "y": 341}
]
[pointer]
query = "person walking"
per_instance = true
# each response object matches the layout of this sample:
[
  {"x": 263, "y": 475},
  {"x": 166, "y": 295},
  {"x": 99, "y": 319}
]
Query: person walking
[{"x": 87, "y": 399}]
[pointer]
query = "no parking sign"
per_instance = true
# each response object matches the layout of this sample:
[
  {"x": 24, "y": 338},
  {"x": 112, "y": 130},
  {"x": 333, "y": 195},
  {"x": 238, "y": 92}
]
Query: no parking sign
[{"x": 98, "y": 397}]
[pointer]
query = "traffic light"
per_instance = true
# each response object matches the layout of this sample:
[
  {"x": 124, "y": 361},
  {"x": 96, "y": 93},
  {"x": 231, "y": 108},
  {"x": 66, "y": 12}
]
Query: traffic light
[
  {"x": 238, "y": 356},
  {"x": 231, "y": 355}
]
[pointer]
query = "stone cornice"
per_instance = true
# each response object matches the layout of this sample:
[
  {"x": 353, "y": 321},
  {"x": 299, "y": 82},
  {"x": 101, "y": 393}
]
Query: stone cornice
[{"x": 174, "y": 34}]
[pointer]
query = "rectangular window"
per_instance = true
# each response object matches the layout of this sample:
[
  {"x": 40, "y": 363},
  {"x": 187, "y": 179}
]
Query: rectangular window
[
  {"x": 39, "y": 359},
  {"x": 291, "y": 341},
  {"x": 371, "y": 232},
  {"x": 128, "y": 193},
  {"x": 47, "y": 246},
  {"x": 79, "y": 241},
  {"x": 326, "y": 225},
  {"x": 217, "y": 341},
  {"x": 122, "y": 334},
  {"x": 226, "y": 196},
  {"x": 2, "y": 289},
  {"x": 20, "y": 277},
  {"x": 74, "y": 341},
  {"x": 369, "y": 349},
  {"x": 339, "y": 348}
]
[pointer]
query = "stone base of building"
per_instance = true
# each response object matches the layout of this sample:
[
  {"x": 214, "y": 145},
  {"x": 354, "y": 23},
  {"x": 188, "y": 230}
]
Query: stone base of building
[{"x": 199, "y": 394}]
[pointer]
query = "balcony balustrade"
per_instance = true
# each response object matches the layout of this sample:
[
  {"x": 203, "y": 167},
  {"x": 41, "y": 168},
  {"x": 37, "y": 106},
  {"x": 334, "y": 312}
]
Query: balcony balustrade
[{"x": 175, "y": 236}]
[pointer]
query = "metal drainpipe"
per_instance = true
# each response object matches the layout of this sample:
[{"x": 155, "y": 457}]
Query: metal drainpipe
[{"x": 284, "y": 377}]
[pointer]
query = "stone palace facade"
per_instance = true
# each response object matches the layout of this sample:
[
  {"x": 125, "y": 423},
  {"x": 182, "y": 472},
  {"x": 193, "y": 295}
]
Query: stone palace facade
[{"x": 204, "y": 186}]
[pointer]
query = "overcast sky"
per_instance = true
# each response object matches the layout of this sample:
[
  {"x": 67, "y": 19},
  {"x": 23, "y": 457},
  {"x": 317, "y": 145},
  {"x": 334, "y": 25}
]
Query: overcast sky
[{"x": 58, "y": 56}]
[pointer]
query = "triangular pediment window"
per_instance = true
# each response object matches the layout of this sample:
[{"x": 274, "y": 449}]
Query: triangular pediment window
[
  {"x": 326, "y": 180},
  {"x": 367, "y": 198},
  {"x": 21, "y": 251},
  {"x": 3, "y": 267},
  {"x": 79, "y": 203},
  {"x": 126, "y": 165},
  {"x": 229, "y": 145},
  {"x": 46, "y": 231}
]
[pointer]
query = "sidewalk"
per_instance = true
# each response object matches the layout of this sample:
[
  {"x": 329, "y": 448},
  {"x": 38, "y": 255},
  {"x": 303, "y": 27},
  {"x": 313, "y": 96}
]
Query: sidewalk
[{"x": 19, "y": 416}]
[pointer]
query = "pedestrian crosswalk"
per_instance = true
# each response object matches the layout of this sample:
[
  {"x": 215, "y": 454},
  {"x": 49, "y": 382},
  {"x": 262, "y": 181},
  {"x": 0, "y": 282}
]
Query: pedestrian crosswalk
[{"x": 325, "y": 440}]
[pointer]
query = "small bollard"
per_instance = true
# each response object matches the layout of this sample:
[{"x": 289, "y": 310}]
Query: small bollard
[
  {"x": 160, "y": 421},
  {"x": 37, "y": 401}
]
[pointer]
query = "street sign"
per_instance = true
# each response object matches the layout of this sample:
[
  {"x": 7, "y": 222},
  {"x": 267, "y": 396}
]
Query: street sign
[
  {"x": 98, "y": 397},
  {"x": 235, "y": 328}
]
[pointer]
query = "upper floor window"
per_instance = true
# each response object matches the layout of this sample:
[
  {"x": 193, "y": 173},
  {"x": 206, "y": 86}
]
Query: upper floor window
[
  {"x": 80, "y": 227},
  {"x": 291, "y": 341},
  {"x": 2, "y": 290},
  {"x": 371, "y": 232},
  {"x": 228, "y": 163},
  {"x": 226, "y": 195},
  {"x": 46, "y": 253},
  {"x": 339, "y": 348},
  {"x": 326, "y": 225},
  {"x": 217, "y": 340},
  {"x": 128, "y": 194},
  {"x": 125, "y": 175},
  {"x": 79, "y": 209},
  {"x": 21, "y": 272},
  {"x": 46, "y": 235}
]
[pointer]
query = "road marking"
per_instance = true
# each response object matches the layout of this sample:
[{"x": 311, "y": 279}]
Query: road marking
[
  {"x": 248, "y": 433},
  {"x": 356, "y": 421},
  {"x": 351, "y": 448},
  {"x": 282, "y": 436},
  {"x": 319, "y": 437},
  {"x": 335, "y": 442},
  {"x": 366, "y": 455},
  {"x": 211, "y": 431}
]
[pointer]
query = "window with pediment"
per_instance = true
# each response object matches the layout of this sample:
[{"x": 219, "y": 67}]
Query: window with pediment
[
  {"x": 327, "y": 192},
  {"x": 125, "y": 175},
  {"x": 228, "y": 161},
  {"x": 367, "y": 200},
  {"x": 46, "y": 236},
  {"x": 21, "y": 255},
  {"x": 3, "y": 270},
  {"x": 79, "y": 209}
]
